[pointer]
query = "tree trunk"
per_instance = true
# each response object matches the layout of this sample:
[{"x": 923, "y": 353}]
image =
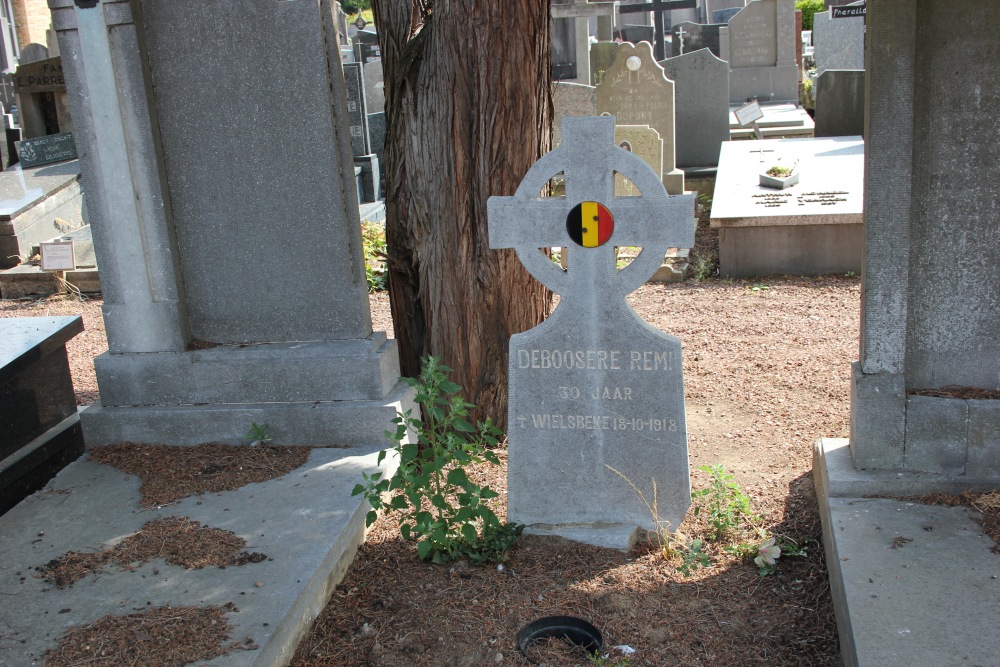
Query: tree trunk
[{"x": 468, "y": 109}]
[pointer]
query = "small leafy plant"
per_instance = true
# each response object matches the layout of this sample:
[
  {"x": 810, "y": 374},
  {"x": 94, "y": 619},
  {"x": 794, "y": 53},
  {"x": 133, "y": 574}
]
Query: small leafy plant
[
  {"x": 779, "y": 171},
  {"x": 690, "y": 551},
  {"x": 373, "y": 246},
  {"x": 607, "y": 660},
  {"x": 259, "y": 433},
  {"x": 723, "y": 500},
  {"x": 436, "y": 502}
]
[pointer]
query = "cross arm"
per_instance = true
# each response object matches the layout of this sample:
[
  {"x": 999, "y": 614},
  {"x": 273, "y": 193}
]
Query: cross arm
[{"x": 541, "y": 222}]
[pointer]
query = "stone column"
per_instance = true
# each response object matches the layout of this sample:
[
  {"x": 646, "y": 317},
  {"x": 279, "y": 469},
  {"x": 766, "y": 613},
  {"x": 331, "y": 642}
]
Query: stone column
[
  {"x": 225, "y": 216},
  {"x": 143, "y": 309}
]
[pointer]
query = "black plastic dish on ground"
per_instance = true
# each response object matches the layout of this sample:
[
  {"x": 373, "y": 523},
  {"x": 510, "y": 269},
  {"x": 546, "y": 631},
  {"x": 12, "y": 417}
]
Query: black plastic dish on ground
[{"x": 576, "y": 630}]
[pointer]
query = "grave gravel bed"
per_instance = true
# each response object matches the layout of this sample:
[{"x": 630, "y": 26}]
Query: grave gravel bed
[{"x": 766, "y": 369}]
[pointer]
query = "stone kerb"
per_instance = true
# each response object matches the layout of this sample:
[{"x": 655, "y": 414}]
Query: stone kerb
[{"x": 594, "y": 387}]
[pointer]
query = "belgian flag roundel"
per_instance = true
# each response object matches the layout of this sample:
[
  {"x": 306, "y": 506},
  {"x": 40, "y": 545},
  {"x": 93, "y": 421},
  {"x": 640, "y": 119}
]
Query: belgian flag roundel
[{"x": 590, "y": 224}]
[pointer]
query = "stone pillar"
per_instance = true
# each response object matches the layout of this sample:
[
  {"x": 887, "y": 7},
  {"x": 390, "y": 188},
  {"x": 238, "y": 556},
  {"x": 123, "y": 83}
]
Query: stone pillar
[
  {"x": 929, "y": 321},
  {"x": 143, "y": 307},
  {"x": 225, "y": 221}
]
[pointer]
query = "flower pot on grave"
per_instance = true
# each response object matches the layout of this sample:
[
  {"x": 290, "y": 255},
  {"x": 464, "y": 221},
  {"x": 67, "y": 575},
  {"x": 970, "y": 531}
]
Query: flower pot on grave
[{"x": 780, "y": 182}]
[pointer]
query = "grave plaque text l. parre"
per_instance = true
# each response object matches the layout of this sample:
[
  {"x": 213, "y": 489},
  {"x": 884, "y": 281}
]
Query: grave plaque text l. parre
[{"x": 594, "y": 385}]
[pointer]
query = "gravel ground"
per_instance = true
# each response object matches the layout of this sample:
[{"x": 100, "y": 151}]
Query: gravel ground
[{"x": 766, "y": 367}]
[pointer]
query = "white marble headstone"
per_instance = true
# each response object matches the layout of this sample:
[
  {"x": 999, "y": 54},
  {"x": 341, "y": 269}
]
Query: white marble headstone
[{"x": 594, "y": 387}]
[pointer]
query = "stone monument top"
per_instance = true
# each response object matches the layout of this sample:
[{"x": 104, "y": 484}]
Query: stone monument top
[{"x": 594, "y": 389}]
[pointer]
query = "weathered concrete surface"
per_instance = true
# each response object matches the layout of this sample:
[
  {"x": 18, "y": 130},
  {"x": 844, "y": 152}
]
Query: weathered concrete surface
[
  {"x": 802, "y": 250},
  {"x": 912, "y": 584},
  {"x": 306, "y": 522}
]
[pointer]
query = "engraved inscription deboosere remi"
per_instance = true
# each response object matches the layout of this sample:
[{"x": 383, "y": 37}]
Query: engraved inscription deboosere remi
[{"x": 594, "y": 389}]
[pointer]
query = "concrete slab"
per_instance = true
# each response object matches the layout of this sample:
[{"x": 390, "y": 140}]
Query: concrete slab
[
  {"x": 912, "y": 584},
  {"x": 779, "y": 121},
  {"x": 306, "y": 522},
  {"x": 810, "y": 228},
  {"x": 30, "y": 280},
  {"x": 831, "y": 189}
]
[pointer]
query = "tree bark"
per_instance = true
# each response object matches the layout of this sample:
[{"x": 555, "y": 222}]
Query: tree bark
[{"x": 468, "y": 110}]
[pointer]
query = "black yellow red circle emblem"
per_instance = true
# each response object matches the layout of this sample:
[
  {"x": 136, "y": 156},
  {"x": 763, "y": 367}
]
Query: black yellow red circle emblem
[{"x": 590, "y": 224}]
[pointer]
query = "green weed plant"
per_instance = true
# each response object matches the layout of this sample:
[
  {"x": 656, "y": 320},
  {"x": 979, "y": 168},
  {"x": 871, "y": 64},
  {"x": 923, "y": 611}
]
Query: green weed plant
[
  {"x": 436, "y": 502},
  {"x": 373, "y": 246},
  {"x": 723, "y": 501}
]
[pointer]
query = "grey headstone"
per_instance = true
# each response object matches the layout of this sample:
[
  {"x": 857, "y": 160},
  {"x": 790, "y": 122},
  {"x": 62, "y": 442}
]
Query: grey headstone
[
  {"x": 689, "y": 37},
  {"x": 645, "y": 143},
  {"x": 724, "y": 15},
  {"x": 341, "y": 17},
  {"x": 602, "y": 57},
  {"x": 376, "y": 132},
  {"x": 570, "y": 99},
  {"x": 838, "y": 43},
  {"x": 371, "y": 177},
  {"x": 759, "y": 44},
  {"x": 701, "y": 105},
  {"x": 642, "y": 96},
  {"x": 594, "y": 387},
  {"x": 374, "y": 87},
  {"x": 357, "y": 109},
  {"x": 840, "y": 103},
  {"x": 753, "y": 36},
  {"x": 32, "y": 53},
  {"x": 637, "y": 33}
]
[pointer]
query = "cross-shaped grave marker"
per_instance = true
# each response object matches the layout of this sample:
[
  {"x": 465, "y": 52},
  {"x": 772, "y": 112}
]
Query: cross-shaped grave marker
[
  {"x": 581, "y": 11},
  {"x": 658, "y": 7},
  {"x": 594, "y": 387},
  {"x": 680, "y": 39}
]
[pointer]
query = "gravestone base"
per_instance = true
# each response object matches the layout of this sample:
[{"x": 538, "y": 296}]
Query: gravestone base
[
  {"x": 798, "y": 250},
  {"x": 330, "y": 423},
  {"x": 675, "y": 267},
  {"x": 35, "y": 205},
  {"x": 779, "y": 121},
  {"x": 608, "y": 535},
  {"x": 320, "y": 393},
  {"x": 765, "y": 84},
  {"x": 673, "y": 181},
  {"x": 371, "y": 178},
  {"x": 30, "y": 280}
]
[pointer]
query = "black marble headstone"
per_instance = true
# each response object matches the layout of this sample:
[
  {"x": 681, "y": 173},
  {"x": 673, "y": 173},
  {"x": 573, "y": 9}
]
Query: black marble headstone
[
  {"x": 376, "y": 133},
  {"x": 45, "y": 150},
  {"x": 723, "y": 15},
  {"x": 357, "y": 109},
  {"x": 690, "y": 37}
]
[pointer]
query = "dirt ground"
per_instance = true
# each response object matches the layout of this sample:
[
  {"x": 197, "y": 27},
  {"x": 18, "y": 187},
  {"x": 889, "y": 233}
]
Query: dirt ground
[{"x": 766, "y": 370}]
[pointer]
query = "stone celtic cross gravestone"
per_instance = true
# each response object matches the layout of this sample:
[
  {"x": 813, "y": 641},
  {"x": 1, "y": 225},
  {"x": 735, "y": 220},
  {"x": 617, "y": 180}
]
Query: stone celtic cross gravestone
[{"x": 594, "y": 387}]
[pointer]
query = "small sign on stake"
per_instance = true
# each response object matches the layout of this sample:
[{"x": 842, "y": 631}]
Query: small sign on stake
[
  {"x": 749, "y": 114},
  {"x": 57, "y": 256}
]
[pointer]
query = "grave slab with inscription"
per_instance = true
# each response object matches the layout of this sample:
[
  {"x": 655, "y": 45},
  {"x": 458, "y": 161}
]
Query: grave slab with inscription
[
  {"x": 811, "y": 228},
  {"x": 594, "y": 387}
]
